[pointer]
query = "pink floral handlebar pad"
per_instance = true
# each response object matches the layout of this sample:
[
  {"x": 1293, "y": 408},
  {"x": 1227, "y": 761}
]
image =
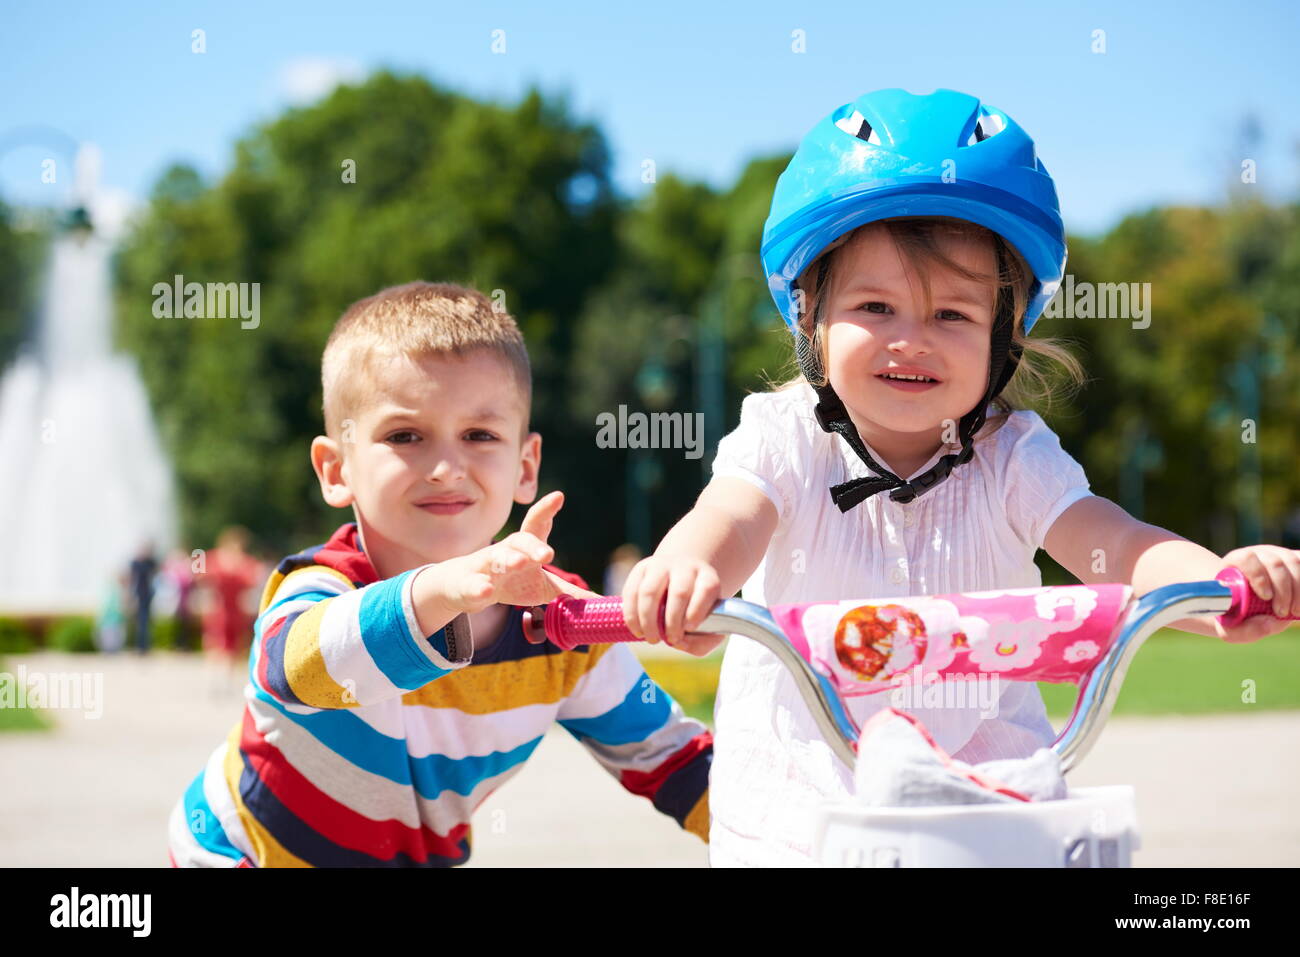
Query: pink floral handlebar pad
[{"x": 1023, "y": 634}]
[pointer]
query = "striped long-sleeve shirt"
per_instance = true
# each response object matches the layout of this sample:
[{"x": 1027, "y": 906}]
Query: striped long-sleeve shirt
[{"x": 365, "y": 743}]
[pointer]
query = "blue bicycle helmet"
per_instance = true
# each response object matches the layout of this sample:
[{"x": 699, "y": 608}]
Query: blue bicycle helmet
[{"x": 892, "y": 153}]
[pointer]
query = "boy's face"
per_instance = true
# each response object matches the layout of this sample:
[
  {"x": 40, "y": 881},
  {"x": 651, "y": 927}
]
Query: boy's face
[
  {"x": 875, "y": 320},
  {"x": 434, "y": 460}
]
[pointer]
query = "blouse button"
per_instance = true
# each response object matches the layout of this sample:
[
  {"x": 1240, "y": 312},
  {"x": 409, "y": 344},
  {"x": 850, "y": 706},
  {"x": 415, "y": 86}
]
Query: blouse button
[
  {"x": 909, "y": 519},
  {"x": 896, "y": 577}
]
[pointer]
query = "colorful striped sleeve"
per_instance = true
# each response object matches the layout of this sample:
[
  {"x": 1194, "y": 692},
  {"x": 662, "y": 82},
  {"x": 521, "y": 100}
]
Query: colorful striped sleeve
[
  {"x": 322, "y": 643},
  {"x": 641, "y": 736}
]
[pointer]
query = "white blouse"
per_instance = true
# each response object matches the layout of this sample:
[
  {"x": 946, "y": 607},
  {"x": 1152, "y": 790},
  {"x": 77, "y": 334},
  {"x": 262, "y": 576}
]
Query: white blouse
[{"x": 977, "y": 530}]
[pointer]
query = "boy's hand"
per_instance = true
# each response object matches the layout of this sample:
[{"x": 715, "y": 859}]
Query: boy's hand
[
  {"x": 691, "y": 589},
  {"x": 1274, "y": 573},
  {"x": 509, "y": 572}
]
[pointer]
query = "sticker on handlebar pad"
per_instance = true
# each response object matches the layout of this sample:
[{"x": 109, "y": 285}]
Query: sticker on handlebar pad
[{"x": 1054, "y": 634}]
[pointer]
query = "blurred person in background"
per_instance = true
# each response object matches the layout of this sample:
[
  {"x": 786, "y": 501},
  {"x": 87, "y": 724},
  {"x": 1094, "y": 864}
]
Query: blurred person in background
[
  {"x": 144, "y": 567},
  {"x": 179, "y": 575},
  {"x": 229, "y": 573},
  {"x": 110, "y": 627},
  {"x": 621, "y": 561}
]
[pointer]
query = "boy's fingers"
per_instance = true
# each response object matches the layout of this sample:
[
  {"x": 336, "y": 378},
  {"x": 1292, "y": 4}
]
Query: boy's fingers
[
  {"x": 539, "y": 518},
  {"x": 475, "y": 588},
  {"x": 568, "y": 588},
  {"x": 530, "y": 545},
  {"x": 509, "y": 559}
]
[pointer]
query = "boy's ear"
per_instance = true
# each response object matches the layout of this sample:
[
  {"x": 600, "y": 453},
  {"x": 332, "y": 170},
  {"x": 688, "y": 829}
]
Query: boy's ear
[
  {"x": 327, "y": 461},
  {"x": 530, "y": 464}
]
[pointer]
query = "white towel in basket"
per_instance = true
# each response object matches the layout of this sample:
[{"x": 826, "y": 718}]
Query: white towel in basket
[{"x": 900, "y": 765}]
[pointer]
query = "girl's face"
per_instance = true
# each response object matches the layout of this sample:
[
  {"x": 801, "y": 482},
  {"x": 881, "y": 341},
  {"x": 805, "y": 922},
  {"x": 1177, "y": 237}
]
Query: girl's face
[{"x": 876, "y": 322}]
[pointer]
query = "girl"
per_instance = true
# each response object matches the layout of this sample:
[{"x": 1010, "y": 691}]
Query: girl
[{"x": 912, "y": 243}]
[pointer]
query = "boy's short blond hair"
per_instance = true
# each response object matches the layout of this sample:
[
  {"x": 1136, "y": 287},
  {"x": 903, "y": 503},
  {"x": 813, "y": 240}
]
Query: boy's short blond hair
[{"x": 416, "y": 320}]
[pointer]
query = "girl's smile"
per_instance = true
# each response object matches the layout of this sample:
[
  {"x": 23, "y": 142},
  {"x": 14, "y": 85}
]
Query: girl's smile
[{"x": 908, "y": 385}]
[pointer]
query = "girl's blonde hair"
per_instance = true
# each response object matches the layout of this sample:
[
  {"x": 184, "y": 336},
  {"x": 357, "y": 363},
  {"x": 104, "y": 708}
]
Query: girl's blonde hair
[{"x": 918, "y": 239}]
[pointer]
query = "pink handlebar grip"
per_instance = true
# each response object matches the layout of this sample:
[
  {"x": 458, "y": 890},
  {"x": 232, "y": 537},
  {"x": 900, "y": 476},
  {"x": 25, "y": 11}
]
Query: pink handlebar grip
[
  {"x": 1245, "y": 603},
  {"x": 569, "y": 622}
]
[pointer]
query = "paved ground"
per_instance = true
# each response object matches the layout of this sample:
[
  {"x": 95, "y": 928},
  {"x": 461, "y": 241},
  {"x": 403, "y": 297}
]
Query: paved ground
[{"x": 1212, "y": 791}]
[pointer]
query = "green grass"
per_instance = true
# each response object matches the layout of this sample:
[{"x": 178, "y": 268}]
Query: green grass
[
  {"x": 1173, "y": 673},
  {"x": 1178, "y": 673},
  {"x": 19, "y": 719}
]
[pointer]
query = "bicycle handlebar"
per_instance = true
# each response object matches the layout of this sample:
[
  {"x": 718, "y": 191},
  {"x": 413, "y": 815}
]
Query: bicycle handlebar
[{"x": 570, "y": 622}]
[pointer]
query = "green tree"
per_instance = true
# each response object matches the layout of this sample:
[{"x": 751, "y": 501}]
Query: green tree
[{"x": 1214, "y": 275}]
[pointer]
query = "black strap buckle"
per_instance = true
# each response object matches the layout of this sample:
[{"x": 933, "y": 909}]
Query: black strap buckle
[
  {"x": 904, "y": 493},
  {"x": 823, "y": 417}
]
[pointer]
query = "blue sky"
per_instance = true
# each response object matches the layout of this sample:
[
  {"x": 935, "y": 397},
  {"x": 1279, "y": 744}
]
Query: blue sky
[{"x": 700, "y": 88}]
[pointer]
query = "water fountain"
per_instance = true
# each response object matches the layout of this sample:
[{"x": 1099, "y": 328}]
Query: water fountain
[{"x": 83, "y": 481}]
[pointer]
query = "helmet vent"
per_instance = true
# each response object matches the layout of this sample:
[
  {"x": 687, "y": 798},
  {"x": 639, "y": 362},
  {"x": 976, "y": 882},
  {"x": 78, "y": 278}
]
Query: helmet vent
[
  {"x": 855, "y": 124},
  {"x": 987, "y": 125}
]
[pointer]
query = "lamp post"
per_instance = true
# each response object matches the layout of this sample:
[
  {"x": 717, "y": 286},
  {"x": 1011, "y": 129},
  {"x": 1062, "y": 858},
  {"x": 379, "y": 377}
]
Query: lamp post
[
  {"x": 1245, "y": 385},
  {"x": 654, "y": 386},
  {"x": 1243, "y": 406},
  {"x": 1144, "y": 454},
  {"x": 710, "y": 374}
]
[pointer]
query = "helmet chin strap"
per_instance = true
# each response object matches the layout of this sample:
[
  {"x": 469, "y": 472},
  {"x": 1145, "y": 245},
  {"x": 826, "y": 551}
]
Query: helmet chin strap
[{"x": 833, "y": 417}]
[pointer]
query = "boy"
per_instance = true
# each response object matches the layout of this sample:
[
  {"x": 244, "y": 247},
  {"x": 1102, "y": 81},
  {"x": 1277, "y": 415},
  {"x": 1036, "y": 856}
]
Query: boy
[{"x": 391, "y": 688}]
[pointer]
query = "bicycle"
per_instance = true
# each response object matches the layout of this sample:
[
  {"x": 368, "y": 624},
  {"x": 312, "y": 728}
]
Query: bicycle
[{"x": 1092, "y": 827}]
